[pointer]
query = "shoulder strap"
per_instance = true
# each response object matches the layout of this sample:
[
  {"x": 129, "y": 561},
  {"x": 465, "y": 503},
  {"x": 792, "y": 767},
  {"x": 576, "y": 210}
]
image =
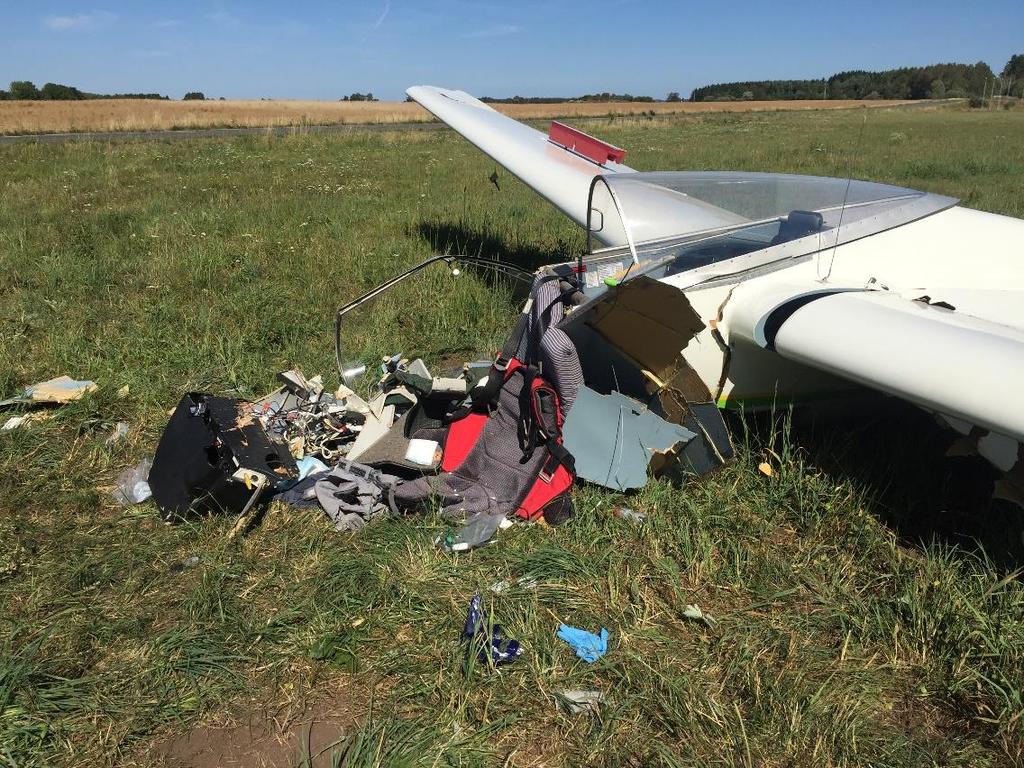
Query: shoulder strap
[{"x": 483, "y": 396}]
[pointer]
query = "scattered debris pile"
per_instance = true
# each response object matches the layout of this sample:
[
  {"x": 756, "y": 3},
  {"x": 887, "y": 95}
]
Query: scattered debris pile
[{"x": 586, "y": 387}]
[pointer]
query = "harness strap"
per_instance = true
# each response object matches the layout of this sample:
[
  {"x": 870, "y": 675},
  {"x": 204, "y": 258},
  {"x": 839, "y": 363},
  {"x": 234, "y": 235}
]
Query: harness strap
[
  {"x": 527, "y": 414},
  {"x": 537, "y": 426},
  {"x": 511, "y": 347},
  {"x": 483, "y": 396},
  {"x": 557, "y": 455}
]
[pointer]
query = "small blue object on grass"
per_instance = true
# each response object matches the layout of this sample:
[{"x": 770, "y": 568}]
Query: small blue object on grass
[
  {"x": 500, "y": 650},
  {"x": 588, "y": 646}
]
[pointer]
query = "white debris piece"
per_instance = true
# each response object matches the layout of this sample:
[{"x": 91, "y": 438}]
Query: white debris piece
[{"x": 580, "y": 702}]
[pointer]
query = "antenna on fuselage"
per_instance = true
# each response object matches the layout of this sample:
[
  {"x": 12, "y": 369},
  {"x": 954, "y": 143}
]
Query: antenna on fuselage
[{"x": 824, "y": 274}]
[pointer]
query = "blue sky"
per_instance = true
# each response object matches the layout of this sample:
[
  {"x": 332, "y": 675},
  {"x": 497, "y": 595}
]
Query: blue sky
[{"x": 324, "y": 50}]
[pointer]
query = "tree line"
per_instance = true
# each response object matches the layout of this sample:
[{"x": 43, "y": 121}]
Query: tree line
[
  {"x": 936, "y": 81},
  {"x": 24, "y": 90}
]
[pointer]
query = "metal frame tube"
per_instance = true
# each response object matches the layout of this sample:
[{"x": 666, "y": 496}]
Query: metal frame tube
[{"x": 450, "y": 260}]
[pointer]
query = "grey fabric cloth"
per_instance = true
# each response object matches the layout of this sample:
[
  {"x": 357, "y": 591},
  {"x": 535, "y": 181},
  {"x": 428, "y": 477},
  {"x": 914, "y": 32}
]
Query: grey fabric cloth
[
  {"x": 303, "y": 493},
  {"x": 560, "y": 365},
  {"x": 353, "y": 493}
]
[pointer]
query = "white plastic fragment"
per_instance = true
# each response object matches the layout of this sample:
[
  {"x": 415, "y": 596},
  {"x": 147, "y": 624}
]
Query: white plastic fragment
[
  {"x": 580, "y": 702},
  {"x": 23, "y": 421},
  {"x": 373, "y": 429},
  {"x": 422, "y": 452},
  {"x": 119, "y": 433},
  {"x": 625, "y": 513},
  {"x": 133, "y": 484},
  {"x": 14, "y": 422},
  {"x": 523, "y": 582},
  {"x": 418, "y": 368},
  {"x": 694, "y": 613}
]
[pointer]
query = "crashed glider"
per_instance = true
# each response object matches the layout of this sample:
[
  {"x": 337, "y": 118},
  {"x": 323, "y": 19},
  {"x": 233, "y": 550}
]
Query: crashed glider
[{"x": 734, "y": 289}]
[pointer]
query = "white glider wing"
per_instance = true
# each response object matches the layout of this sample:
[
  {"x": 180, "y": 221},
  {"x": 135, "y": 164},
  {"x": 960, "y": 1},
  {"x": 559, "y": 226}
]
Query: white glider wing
[
  {"x": 932, "y": 355},
  {"x": 560, "y": 175},
  {"x": 561, "y": 167},
  {"x": 931, "y": 311}
]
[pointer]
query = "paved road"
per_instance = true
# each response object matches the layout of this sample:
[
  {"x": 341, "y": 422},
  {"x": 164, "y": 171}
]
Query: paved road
[{"x": 205, "y": 133}]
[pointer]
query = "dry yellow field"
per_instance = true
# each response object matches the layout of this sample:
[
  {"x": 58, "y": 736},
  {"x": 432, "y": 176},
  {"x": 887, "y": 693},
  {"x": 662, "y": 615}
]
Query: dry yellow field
[{"x": 20, "y": 117}]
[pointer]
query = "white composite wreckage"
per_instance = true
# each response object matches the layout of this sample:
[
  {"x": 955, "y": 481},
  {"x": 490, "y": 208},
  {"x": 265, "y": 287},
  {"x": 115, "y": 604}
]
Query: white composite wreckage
[
  {"x": 699, "y": 292},
  {"x": 723, "y": 290}
]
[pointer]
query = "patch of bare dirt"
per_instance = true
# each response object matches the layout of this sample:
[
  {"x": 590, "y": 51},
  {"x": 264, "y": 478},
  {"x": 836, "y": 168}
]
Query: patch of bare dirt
[{"x": 261, "y": 742}]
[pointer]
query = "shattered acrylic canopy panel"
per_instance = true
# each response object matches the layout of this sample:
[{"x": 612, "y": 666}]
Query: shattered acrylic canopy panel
[{"x": 695, "y": 218}]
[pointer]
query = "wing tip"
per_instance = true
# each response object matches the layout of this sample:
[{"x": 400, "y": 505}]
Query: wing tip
[{"x": 423, "y": 94}]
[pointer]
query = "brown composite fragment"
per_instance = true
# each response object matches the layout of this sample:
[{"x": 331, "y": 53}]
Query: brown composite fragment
[
  {"x": 651, "y": 323},
  {"x": 648, "y": 321},
  {"x": 62, "y": 389}
]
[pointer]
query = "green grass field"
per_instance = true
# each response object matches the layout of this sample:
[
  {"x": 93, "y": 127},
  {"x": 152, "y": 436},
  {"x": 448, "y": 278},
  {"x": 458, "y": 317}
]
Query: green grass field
[{"x": 213, "y": 264}]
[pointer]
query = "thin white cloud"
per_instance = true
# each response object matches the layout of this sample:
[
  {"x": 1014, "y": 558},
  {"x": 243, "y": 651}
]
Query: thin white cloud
[
  {"x": 494, "y": 30},
  {"x": 167, "y": 23},
  {"x": 383, "y": 14},
  {"x": 80, "y": 20}
]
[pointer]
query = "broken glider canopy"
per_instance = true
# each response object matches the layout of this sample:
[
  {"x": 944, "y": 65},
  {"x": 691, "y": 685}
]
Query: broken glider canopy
[{"x": 678, "y": 221}]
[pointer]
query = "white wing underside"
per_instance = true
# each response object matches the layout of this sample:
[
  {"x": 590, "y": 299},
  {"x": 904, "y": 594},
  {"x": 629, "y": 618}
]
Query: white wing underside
[
  {"x": 942, "y": 359},
  {"x": 946, "y": 333}
]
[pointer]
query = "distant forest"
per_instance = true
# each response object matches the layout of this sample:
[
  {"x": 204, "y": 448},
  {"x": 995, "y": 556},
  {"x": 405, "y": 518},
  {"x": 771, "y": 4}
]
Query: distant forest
[
  {"x": 938, "y": 81},
  {"x": 22, "y": 90}
]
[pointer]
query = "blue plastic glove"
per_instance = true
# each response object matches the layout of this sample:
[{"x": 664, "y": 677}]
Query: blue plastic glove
[
  {"x": 310, "y": 465},
  {"x": 587, "y": 645}
]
